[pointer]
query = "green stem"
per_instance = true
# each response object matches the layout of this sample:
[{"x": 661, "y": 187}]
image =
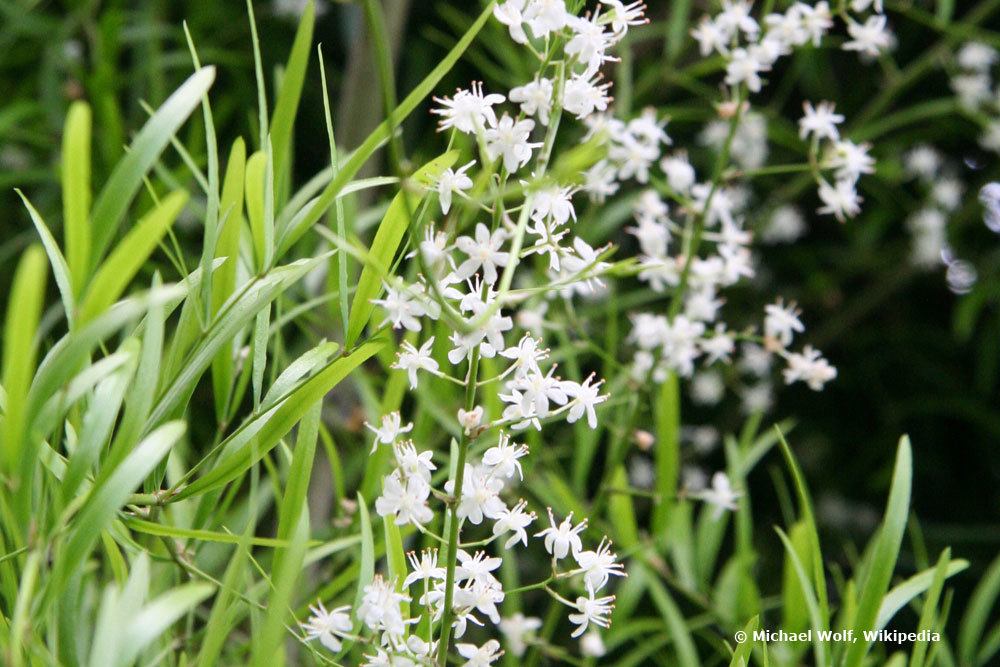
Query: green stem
[{"x": 452, "y": 555}]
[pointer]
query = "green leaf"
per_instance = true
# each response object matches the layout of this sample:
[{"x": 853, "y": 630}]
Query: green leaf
[
  {"x": 808, "y": 516},
  {"x": 76, "y": 193},
  {"x": 24, "y": 308},
  {"x": 360, "y": 156},
  {"x": 970, "y": 633},
  {"x": 286, "y": 569},
  {"x": 291, "y": 91},
  {"x": 386, "y": 242},
  {"x": 901, "y": 594},
  {"x": 883, "y": 557},
  {"x": 59, "y": 268},
  {"x": 265, "y": 429},
  {"x": 687, "y": 655},
  {"x": 109, "y": 493},
  {"x": 157, "y": 616},
  {"x": 928, "y": 614},
  {"x": 816, "y": 620},
  {"x": 231, "y": 318},
  {"x": 367, "y": 551},
  {"x": 126, "y": 179},
  {"x": 741, "y": 656},
  {"x": 254, "y": 191},
  {"x": 143, "y": 390},
  {"x": 123, "y": 264},
  {"x": 667, "y": 452},
  {"x": 224, "y": 280},
  {"x": 395, "y": 557}
]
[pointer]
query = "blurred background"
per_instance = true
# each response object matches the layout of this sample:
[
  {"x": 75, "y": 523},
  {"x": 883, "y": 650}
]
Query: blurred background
[{"x": 917, "y": 347}]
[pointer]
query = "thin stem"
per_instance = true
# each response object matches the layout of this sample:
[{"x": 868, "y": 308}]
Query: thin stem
[{"x": 452, "y": 556}]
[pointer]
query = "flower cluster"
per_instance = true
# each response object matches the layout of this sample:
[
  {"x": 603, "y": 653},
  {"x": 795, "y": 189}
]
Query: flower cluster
[
  {"x": 752, "y": 49},
  {"x": 498, "y": 210},
  {"x": 942, "y": 193},
  {"x": 976, "y": 90}
]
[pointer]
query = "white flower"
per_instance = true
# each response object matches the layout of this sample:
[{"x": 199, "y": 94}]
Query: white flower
[
  {"x": 735, "y": 15},
  {"x": 707, "y": 388},
  {"x": 525, "y": 356},
  {"x": 947, "y": 192},
  {"x": 990, "y": 139},
  {"x": 679, "y": 172},
  {"x": 452, "y": 182},
  {"x": 484, "y": 253},
  {"x": 859, "y": 6},
  {"x": 782, "y": 322},
  {"x": 634, "y": 158},
  {"x": 589, "y": 43},
  {"x": 721, "y": 495},
  {"x": 622, "y": 16},
  {"x": 509, "y": 139},
  {"x": 477, "y": 567},
  {"x": 922, "y": 161},
  {"x": 470, "y": 419},
  {"x": 820, "y": 121},
  {"x": 598, "y": 566},
  {"x": 329, "y": 627},
  {"x": 516, "y": 629},
  {"x": 648, "y": 128},
  {"x": 411, "y": 360},
  {"x": 510, "y": 14},
  {"x": 390, "y": 428},
  {"x": 784, "y": 225},
  {"x": 480, "y": 496},
  {"x": 514, "y": 520},
  {"x": 592, "y": 610},
  {"x": 405, "y": 306},
  {"x": 851, "y": 160},
  {"x": 972, "y": 90},
  {"x": 503, "y": 457},
  {"x": 591, "y": 645},
  {"x": 469, "y": 111},
  {"x": 744, "y": 67},
  {"x": 425, "y": 568},
  {"x": 380, "y": 609},
  {"x": 816, "y": 19},
  {"x": 585, "y": 397},
  {"x": 710, "y": 37},
  {"x": 840, "y": 199},
  {"x": 562, "y": 538},
  {"x": 757, "y": 398},
  {"x": 539, "y": 391},
  {"x": 582, "y": 97},
  {"x": 553, "y": 202},
  {"x": 809, "y": 367},
  {"x": 599, "y": 181},
  {"x": 412, "y": 463},
  {"x": 406, "y": 499},
  {"x": 534, "y": 97},
  {"x": 480, "y": 656},
  {"x": 869, "y": 38},
  {"x": 719, "y": 346},
  {"x": 481, "y": 596},
  {"x": 977, "y": 56},
  {"x": 545, "y": 16},
  {"x": 680, "y": 344}
]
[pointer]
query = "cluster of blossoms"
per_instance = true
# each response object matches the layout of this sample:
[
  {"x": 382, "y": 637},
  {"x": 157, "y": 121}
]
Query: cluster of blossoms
[
  {"x": 751, "y": 50},
  {"x": 465, "y": 280},
  {"x": 942, "y": 193},
  {"x": 691, "y": 229},
  {"x": 977, "y": 92}
]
